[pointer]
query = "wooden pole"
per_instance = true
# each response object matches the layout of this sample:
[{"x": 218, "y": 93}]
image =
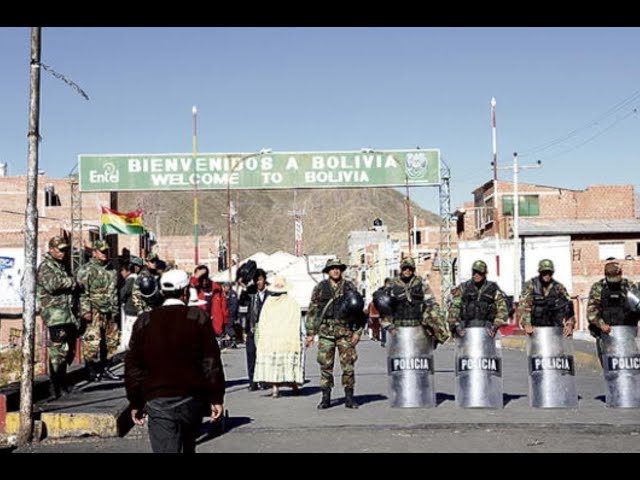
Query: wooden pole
[{"x": 25, "y": 434}]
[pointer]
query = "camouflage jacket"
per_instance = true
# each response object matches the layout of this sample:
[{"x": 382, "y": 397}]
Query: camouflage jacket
[
  {"x": 55, "y": 292},
  {"x": 432, "y": 319},
  {"x": 98, "y": 288},
  {"x": 455, "y": 310},
  {"x": 594, "y": 307},
  {"x": 140, "y": 303},
  {"x": 525, "y": 307},
  {"x": 313, "y": 320}
]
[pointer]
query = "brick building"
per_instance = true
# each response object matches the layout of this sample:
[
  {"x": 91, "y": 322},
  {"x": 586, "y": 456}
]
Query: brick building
[
  {"x": 54, "y": 208},
  {"x": 376, "y": 253},
  {"x": 601, "y": 222}
]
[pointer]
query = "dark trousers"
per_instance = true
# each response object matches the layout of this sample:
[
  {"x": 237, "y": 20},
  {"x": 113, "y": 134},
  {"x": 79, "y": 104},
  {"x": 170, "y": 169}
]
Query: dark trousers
[
  {"x": 174, "y": 424},
  {"x": 251, "y": 357}
]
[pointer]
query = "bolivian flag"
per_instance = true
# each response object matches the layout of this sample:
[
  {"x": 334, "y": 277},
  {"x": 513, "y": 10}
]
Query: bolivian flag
[{"x": 123, "y": 223}]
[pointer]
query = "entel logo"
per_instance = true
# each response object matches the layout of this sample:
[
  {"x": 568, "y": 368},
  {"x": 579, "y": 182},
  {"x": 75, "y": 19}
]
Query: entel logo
[{"x": 109, "y": 175}]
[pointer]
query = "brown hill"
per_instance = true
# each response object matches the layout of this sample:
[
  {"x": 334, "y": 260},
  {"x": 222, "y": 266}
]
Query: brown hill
[{"x": 264, "y": 223}]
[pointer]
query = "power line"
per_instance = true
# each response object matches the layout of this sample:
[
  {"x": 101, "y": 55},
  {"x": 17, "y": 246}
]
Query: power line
[{"x": 608, "y": 113}]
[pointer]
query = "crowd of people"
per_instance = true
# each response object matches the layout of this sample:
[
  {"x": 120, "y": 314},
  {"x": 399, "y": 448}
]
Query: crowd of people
[{"x": 173, "y": 326}]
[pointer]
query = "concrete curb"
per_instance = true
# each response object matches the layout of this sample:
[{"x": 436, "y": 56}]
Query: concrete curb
[
  {"x": 582, "y": 359},
  {"x": 59, "y": 425}
]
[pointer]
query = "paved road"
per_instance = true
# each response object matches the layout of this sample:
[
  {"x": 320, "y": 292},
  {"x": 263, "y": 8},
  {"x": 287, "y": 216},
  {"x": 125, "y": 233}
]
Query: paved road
[{"x": 259, "y": 423}]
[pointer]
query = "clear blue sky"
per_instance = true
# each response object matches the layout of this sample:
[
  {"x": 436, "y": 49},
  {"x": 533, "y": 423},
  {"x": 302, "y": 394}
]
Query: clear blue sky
[{"x": 310, "y": 89}]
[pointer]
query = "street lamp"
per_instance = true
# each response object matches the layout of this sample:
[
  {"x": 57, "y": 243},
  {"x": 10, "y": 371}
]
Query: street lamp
[
  {"x": 236, "y": 164},
  {"x": 516, "y": 222}
]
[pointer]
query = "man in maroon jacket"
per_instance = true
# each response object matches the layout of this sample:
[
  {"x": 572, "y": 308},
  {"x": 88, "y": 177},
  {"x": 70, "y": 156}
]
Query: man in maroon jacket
[{"x": 173, "y": 369}]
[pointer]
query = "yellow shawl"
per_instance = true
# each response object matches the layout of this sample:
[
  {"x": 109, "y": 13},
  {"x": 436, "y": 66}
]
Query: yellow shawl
[{"x": 279, "y": 326}]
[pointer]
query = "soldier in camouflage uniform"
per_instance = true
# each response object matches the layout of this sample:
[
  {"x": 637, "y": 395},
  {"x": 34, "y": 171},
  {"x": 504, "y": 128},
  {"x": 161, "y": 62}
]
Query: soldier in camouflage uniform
[
  {"x": 98, "y": 311},
  {"x": 478, "y": 302},
  {"x": 607, "y": 305},
  {"x": 324, "y": 319},
  {"x": 415, "y": 304},
  {"x": 545, "y": 302},
  {"x": 55, "y": 295},
  {"x": 146, "y": 302}
]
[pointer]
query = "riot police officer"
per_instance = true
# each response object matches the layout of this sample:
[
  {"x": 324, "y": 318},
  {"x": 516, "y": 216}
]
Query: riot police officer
[
  {"x": 99, "y": 310},
  {"x": 478, "y": 308},
  {"x": 334, "y": 316},
  {"x": 546, "y": 305},
  {"x": 55, "y": 294},
  {"x": 414, "y": 304},
  {"x": 545, "y": 302},
  {"x": 478, "y": 302},
  {"x": 607, "y": 305}
]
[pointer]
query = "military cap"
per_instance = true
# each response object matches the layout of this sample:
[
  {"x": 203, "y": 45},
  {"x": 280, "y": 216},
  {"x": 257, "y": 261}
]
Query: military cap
[
  {"x": 479, "y": 266},
  {"x": 408, "y": 263},
  {"x": 546, "y": 265},
  {"x": 58, "y": 242},
  {"x": 332, "y": 263},
  {"x": 100, "y": 245},
  {"x": 613, "y": 271},
  {"x": 136, "y": 261}
]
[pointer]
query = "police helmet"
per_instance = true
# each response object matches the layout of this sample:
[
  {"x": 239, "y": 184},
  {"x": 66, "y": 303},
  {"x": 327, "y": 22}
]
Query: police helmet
[
  {"x": 246, "y": 271},
  {"x": 148, "y": 286},
  {"x": 633, "y": 299},
  {"x": 384, "y": 302},
  {"x": 545, "y": 265},
  {"x": 479, "y": 266},
  {"x": 352, "y": 303}
]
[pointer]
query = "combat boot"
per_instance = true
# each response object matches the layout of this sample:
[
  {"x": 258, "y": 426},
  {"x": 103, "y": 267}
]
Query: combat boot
[
  {"x": 349, "y": 402},
  {"x": 326, "y": 399}
]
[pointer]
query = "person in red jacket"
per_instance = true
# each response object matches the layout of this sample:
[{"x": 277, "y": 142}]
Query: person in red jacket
[{"x": 212, "y": 293}]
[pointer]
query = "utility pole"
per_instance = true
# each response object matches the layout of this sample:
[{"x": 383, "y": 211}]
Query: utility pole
[
  {"x": 408, "y": 204},
  {"x": 196, "y": 227},
  {"x": 297, "y": 214},
  {"x": 25, "y": 434},
  {"x": 516, "y": 224},
  {"x": 496, "y": 198}
]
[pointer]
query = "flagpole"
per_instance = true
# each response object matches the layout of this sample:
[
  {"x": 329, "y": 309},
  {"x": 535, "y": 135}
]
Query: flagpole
[
  {"x": 496, "y": 198},
  {"x": 196, "y": 256}
]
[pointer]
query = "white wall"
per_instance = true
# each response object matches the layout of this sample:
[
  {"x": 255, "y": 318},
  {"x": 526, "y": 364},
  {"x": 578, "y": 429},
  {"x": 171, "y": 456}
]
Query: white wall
[{"x": 535, "y": 249}]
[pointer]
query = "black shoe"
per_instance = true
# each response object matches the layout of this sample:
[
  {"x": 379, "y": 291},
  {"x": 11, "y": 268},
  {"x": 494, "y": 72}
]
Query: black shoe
[
  {"x": 349, "y": 401},
  {"x": 253, "y": 387},
  {"x": 109, "y": 375},
  {"x": 326, "y": 399}
]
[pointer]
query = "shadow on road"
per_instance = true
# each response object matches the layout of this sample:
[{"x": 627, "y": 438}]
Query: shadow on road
[
  {"x": 442, "y": 397},
  {"x": 507, "y": 397},
  {"x": 211, "y": 430},
  {"x": 239, "y": 381}
]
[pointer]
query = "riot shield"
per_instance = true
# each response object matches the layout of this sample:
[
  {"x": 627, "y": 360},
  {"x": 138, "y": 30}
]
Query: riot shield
[
  {"x": 552, "y": 380},
  {"x": 410, "y": 368},
  {"x": 621, "y": 364},
  {"x": 478, "y": 366}
]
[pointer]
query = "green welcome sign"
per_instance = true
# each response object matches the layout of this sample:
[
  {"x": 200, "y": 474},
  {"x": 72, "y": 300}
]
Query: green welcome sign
[{"x": 219, "y": 171}]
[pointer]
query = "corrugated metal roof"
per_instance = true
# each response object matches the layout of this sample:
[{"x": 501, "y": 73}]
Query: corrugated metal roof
[{"x": 537, "y": 226}]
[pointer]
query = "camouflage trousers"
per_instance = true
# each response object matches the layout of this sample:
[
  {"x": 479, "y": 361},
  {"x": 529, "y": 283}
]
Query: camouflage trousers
[
  {"x": 101, "y": 338},
  {"x": 331, "y": 337},
  {"x": 61, "y": 346}
]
